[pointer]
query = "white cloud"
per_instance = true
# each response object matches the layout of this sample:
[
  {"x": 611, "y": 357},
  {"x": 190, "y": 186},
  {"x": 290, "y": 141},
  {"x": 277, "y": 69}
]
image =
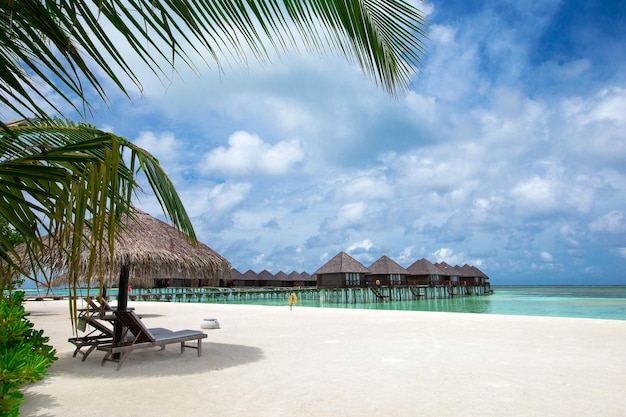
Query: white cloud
[
  {"x": 406, "y": 256},
  {"x": 224, "y": 197},
  {"x": 350, "y": 215},
  {"x": 546, "y": 256},
  {"x": 362, "y": 246},
  {"x": 162, "y": 146},
  {"x": 442, "y": 34},
  {"x": 248, "y": 154},
  {"x": 448, "y": 256},
  {"x": 536, "y": 195},
  {"x": 363, "y": 187},
  {"x": 613, "y": 223}
]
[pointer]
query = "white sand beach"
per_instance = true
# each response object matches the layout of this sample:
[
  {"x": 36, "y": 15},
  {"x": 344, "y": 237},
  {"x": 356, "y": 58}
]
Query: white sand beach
[{"x": 270, "y": 361}]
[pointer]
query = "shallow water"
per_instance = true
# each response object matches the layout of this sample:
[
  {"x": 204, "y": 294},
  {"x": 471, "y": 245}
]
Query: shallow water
[
  {"x": 595, "y": 302},
  {"x": 576, "y": 302}
]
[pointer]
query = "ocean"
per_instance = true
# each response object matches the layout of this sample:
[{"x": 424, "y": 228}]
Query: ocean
[{"x": 593, "y": 302}]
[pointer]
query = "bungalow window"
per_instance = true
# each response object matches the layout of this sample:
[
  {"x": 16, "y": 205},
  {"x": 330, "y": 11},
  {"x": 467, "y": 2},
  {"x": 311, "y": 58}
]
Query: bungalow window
[
  {"x": 395, "y": 279},
  {"x": 352, "y": 279}
]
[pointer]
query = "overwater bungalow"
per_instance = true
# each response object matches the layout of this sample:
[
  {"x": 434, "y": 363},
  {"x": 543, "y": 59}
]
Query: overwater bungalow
[
  {"x": 424, "y": 272},
  {"x": 385, "y": 271},
  {"x": 296, "y": 279},
  {"x": 251, "y": 278},
  {"x": 483, "y": 279},
  {"x": 342, "y": 271},
  {"x": 266, "y": 279},
  {"x": 238, "y": 279},
  {"x": 282, "y": 279},
  {"x": 450, "y": 275},
  {"x": 308, "y": 280}
]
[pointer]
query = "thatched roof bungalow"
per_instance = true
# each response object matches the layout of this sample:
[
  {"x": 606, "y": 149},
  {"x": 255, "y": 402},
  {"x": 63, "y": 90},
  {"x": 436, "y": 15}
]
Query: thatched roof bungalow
[
  {"x": 340, "y": 272},
  {"x": 251, "y": 278},
  {"x": 482, "y": 277},
  {"x": 238, "y": 279},
  {"x": 467, "y": 275},
  {"x": 266, "y": 279},
  {"x": 283, "y": 280},
  {"x": 308, "y": 279},
  {"x": 296, "y": 279},
  {"x": 450, "y": 275},
  {"x": 385, "y": 271},
  {"x": 424, "y": 272},
  {"x": 302, "y": 279}
]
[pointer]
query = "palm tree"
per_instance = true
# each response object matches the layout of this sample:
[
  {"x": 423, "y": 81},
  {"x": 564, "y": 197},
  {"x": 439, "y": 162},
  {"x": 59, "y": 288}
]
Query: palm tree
[{"x": 57, "y": 178}]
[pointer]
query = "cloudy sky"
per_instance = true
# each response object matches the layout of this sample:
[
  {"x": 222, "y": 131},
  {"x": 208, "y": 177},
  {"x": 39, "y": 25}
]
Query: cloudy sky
[{"x": 508, "y": 152}]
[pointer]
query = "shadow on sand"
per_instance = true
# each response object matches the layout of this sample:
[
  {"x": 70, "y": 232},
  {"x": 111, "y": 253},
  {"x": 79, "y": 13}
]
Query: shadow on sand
[{"x": 145, "y": 363}]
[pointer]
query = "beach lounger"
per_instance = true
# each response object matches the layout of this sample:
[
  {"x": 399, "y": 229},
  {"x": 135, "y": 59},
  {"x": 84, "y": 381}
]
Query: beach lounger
[
  {"x": 141, "y": 337},
  {"x": 96, "y": 316},
  {"x": 99, "y": 335}
]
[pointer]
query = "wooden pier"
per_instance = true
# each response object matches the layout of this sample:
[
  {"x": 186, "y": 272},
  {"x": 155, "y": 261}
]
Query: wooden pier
[{"x": 352, "y": 295}]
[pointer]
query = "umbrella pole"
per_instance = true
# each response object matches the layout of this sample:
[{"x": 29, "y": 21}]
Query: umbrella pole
[{"x": 122, "y": 304}]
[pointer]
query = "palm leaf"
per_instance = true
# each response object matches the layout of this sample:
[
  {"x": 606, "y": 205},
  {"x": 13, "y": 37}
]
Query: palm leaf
[
  {"x": 61, "y": 179},
  {"x": 72, "y": 41}
]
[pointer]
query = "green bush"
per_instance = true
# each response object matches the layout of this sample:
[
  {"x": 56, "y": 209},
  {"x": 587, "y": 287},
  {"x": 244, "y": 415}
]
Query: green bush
[{"x": 24, "y": 354}]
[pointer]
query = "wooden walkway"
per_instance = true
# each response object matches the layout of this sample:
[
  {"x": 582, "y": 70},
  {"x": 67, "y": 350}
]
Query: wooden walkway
[{"x": 323, "y": 295}]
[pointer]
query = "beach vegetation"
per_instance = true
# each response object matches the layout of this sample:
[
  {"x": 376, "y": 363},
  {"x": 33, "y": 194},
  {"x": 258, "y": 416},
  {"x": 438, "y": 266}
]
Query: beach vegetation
[{"x": 25, "y": 354}]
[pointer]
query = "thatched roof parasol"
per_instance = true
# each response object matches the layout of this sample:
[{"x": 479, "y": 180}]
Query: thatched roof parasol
[{"x": 152, "y": 249}]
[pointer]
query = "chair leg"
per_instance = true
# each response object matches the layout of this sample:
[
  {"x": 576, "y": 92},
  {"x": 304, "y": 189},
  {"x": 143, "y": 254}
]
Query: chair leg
[
  {"x": 106, "y": 358},
  {"x": 123, "y": 356},
  {"x": 91, "y": 348}
]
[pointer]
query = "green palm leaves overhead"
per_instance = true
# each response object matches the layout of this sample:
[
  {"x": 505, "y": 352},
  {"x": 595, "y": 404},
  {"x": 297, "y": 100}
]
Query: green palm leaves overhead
[{"x": 66, "y": 46}]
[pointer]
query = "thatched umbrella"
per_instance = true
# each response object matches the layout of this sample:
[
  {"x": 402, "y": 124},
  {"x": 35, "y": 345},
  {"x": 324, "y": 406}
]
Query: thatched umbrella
[{"x": 146, "y": 249}]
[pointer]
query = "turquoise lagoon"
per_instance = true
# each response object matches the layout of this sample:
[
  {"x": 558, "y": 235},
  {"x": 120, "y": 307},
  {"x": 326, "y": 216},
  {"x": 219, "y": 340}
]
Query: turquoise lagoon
[{"x": 594, "y": 302}]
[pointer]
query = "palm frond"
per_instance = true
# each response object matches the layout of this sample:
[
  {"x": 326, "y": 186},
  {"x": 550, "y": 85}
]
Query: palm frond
[
  {"x": 71, "y": 42},
  {"x": 61, "y": 179}
]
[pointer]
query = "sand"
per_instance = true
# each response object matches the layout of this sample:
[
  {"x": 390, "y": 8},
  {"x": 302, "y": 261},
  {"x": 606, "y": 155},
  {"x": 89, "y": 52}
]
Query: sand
[{"x": 270, "y": 361}]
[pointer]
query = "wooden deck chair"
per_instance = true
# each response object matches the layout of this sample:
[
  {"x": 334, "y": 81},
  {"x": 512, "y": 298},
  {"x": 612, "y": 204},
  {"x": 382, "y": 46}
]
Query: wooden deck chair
[
  {"x": 142, "y": 338},
  {"x": 99, "y": 335},
  {"x": 99, "y": 318}
]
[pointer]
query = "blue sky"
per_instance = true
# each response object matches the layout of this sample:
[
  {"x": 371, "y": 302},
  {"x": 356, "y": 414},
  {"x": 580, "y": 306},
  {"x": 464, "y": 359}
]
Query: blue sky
[{"x": 508, "y": 152}]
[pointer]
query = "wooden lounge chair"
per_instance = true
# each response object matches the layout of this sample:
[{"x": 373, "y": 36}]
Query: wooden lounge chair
[
  {"x": 141, "y": 337},
  {"x": 100, "y": 334}
]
